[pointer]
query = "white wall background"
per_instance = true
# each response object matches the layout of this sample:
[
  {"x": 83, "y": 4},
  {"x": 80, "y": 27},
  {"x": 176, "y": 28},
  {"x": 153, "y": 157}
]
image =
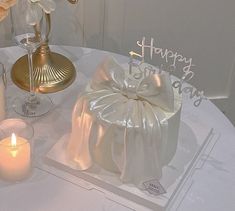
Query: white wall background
[{"x": 202, "y": 29}]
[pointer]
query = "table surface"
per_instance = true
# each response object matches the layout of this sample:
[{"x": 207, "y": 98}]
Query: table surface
[{"x": 213, "y": 187}]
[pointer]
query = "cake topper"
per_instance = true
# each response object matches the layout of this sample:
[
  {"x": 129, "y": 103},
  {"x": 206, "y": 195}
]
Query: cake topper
[{"x": 173, "y": 59}]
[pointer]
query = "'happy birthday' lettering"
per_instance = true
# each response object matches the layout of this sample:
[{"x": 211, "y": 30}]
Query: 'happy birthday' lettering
[
  {"x": 172, "y": 58},
  {"x": 166, "y": 54}
]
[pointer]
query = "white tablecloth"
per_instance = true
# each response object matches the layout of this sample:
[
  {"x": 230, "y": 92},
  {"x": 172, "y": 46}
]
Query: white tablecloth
[{"x": 213, "y": 186}]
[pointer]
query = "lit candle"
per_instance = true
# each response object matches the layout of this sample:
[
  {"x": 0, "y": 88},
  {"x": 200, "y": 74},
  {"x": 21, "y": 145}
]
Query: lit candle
[
  {"x": 14, "y": 158},
  {"x": 132, "y": 54},
  {"x": 130, "y": 62}
]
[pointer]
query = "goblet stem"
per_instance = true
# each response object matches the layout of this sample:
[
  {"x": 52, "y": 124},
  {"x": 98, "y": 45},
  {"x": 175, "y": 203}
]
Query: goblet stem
[{"x": 31, "y": 78}]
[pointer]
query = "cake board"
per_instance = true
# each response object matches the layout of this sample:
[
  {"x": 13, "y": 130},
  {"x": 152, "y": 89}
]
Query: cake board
[{"x": 177, "y": 175}]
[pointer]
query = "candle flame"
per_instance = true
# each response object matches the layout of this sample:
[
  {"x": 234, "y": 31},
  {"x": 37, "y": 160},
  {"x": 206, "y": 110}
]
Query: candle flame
[
  {"x": 13, "y": 144},
  {"x": 13, "y": 139},
  {"x": 132, "y": 53}
]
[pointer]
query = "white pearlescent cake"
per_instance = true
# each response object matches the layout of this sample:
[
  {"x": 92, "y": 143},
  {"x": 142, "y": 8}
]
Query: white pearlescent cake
[{"x": 125, "y": 125}]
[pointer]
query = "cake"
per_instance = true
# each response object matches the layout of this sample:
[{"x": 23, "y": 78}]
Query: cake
[{"x": 125, "y": 125}]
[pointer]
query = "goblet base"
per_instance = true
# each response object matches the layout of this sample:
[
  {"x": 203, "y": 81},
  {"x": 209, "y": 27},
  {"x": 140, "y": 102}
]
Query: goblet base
[
  {"x": 32, "y": 106},
  {"x": 52, "y": 72}
]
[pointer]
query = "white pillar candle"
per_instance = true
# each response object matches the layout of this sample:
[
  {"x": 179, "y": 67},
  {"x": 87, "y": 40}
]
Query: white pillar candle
[
  {"x": 2, "y": 99},
  {"x": 14, "y": 158}
]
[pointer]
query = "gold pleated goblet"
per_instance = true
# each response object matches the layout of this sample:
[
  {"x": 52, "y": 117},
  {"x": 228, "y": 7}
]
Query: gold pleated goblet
[{"x": 52, "y": 72}]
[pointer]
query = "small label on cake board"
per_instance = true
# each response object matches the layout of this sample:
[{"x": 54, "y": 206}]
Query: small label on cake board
[{"x": 154, "y": 187}]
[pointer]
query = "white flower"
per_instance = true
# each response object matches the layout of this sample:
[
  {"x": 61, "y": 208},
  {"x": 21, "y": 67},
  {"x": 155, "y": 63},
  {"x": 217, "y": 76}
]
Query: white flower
[
  {"x": 47, "y": 5},
  {"x": 35, "y": 7},
  {"x": 33, "y": 14}
]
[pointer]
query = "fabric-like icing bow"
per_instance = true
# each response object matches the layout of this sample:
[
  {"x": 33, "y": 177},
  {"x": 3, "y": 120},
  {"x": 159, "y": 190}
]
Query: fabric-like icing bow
[{"x": 155, "y": 88}]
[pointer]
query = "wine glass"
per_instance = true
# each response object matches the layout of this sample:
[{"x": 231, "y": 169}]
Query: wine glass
[{"x": 29, "y": 29}]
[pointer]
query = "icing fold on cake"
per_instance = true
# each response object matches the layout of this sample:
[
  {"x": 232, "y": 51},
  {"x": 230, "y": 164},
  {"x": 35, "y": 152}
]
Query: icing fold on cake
[{"x": 125, "y": 125}]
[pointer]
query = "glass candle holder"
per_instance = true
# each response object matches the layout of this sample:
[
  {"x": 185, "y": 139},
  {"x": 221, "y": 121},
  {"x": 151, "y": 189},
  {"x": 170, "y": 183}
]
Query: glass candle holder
[{"x": 16, "y": 148}]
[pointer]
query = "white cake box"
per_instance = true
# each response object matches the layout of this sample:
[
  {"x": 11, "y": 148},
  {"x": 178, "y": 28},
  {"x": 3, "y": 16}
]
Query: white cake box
[{"x": 176, "y": 178}]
